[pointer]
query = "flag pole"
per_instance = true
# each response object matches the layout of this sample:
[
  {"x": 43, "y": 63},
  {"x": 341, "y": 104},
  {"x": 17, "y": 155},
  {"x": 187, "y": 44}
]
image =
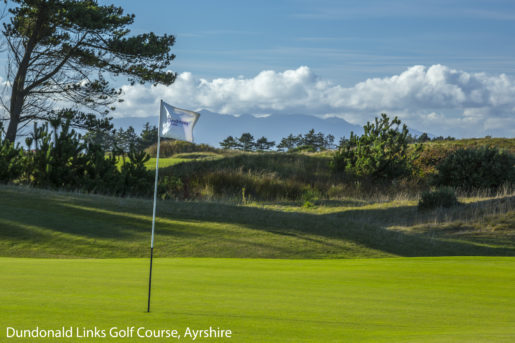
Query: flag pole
[{"x": 155, "y": 201}]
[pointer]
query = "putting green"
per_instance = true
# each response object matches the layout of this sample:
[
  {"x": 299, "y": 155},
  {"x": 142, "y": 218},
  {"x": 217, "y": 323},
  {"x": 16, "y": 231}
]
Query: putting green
[{"x": 370, "y": 300}]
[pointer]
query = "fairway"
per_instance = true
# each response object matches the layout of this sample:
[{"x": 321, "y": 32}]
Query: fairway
[{"x": 364, "y": 300}]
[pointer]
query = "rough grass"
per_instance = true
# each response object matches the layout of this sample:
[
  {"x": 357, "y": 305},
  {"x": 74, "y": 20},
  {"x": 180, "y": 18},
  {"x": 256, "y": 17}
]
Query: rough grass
[
  {"x": 273, "y": 176},
  {"x": 501, "y": 143},
  {"x": 170, "y": 148},
  {"x": 165, "y": 162},
  {"x": 37, "y": 223},
  {"x": 457, "y": 300}
]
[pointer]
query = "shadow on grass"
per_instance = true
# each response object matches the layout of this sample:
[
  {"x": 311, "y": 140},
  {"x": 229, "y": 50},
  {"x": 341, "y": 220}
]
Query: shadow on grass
[
  {"x": 366, "y": 227},
  {"x": 20, "y": 219}
]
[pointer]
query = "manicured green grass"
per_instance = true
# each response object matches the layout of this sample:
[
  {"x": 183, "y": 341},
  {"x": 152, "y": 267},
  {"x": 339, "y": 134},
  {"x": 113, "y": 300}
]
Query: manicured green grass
[
  {"x": 38, "y": 223},
  {"x": 374, "y": 300}
]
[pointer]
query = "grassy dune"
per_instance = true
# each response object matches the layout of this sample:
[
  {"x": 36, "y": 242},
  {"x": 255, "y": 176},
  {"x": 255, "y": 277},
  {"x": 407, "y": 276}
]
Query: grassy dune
[
  {"x": 373, "y": 300},
  {"x": 38, "y": 223}
]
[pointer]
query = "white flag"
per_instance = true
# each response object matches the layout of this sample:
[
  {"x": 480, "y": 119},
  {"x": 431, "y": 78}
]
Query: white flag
[{"x": 177, "y": 123}]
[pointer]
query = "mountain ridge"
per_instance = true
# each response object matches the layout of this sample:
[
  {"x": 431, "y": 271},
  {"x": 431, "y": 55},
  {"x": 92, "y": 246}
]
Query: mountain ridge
[{"x": 213, "y": 127}]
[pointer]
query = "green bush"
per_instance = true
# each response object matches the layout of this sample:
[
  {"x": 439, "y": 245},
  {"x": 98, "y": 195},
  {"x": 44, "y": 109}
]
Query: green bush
[
  {"x": 442, "y": 197},
  {"x": 381, "y": 153},
  {"x": 11, "y": 161},
  {"x": 63, "y": 160},
  {"x": 480, "y": 168},
  {"x": 137, "y": 179}
]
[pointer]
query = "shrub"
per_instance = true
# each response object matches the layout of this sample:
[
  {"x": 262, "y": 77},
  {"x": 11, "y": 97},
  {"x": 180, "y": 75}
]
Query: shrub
[
  {"x": 381, "y": 153},
  {"x": 442, "y": 197},
  {"x": 137, "y": 179},
  {"x": 171, "y": 187},
  {"x": 430, "y": 157},
  {"x": 11, "y": 161},
  {"x": 62, "y": 160},
  {"x": 469, "y": 169},
  {"x": 309, "y": 197}
]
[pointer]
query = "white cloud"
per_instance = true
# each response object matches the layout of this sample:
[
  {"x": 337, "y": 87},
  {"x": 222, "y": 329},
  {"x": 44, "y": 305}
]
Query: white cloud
[{"x": 436, "y": 99}]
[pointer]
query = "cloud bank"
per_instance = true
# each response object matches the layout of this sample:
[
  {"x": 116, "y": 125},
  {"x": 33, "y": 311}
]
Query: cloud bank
[{"x": 436, "y": 99}]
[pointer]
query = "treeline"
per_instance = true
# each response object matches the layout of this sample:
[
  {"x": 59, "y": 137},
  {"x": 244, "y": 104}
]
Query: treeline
[
  {"x": 123, "y": 141},
  {"x": 311, "y": 141},
  {"x": 101, "y": 161},
  {"x": 424, "y": 137}
]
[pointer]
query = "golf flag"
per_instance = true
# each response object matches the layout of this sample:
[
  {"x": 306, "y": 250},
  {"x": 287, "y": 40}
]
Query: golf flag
[
  {"x": 173, "y": 123},
  {"x": 177, "y": 123}
]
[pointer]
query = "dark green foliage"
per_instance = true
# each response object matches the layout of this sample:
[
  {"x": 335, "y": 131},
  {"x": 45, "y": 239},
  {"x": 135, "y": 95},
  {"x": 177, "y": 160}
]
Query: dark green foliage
[
  {"x": 289, "y": 143},
  {"x": 136, "y": 178},
  {"x": 63, "y": 160},
  {"x": 11, "y": 159},
  {"x": 423, "y": 138},
  {"x": 442, "y": 197},
  {"x": 316, "y": 141},
  {"x": 263, "y": 144},
  {"x": 381, "y": 153},
  {"x": 148, "y": 136},
  {"x": 230, "y": 143},
  {"x": 480, "y": 168},
  {"x": 103, "y": 138},
  {"x": 310, "y": 142},
  {"x": 127, "y": 140},
  {"x": 246, "y": 142},
  {"x": 101, "y": 174},
  {"x": 58, "y": 163},
  {"x": 123, "y": 141},
  {"x": 442, "y": 138}
]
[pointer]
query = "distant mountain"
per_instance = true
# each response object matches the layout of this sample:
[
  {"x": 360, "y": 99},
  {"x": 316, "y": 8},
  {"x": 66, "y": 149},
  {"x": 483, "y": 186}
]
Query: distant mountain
[{"x": 212, "y": 127}]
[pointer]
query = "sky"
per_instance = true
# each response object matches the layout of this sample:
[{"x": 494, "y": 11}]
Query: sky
[{"x": 444, "y": 67}]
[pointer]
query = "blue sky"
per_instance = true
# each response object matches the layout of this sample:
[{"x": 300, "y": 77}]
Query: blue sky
[
  {"x": 344, "y": 41},
  {"x": 444, "y": 67}
]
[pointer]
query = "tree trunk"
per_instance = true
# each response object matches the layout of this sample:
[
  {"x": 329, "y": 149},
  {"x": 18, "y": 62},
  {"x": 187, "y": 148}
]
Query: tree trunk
[
  {"x": 17, "y": 100},
  {"x": 12, "y": 129},
  {"x": 18, "y": 92}
]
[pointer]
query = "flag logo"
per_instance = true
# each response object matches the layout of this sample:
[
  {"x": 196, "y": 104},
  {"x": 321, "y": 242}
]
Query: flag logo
[{"x": 177, "y": 123}]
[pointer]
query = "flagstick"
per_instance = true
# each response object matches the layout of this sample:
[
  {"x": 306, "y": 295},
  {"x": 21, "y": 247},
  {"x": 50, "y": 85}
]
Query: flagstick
[{"x": 154, "y": 211}]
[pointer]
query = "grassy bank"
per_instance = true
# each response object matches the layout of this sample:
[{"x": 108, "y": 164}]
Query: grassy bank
[
  {"x": 38, "y": 223},
  {"x": 272, "y": 176},
  {"x": 381, "y": 300}
]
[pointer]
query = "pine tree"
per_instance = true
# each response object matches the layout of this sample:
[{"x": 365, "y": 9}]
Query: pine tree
[{"x": 67, "y": 50}]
